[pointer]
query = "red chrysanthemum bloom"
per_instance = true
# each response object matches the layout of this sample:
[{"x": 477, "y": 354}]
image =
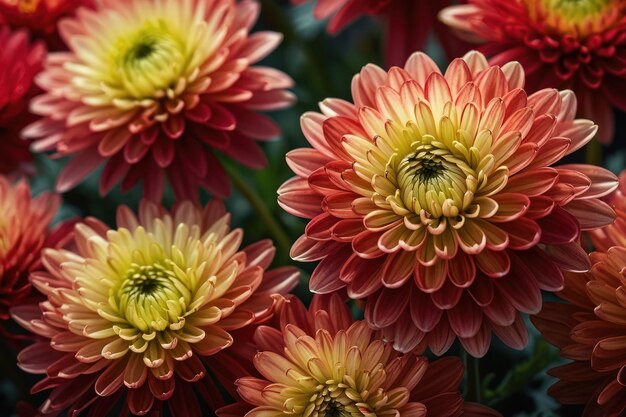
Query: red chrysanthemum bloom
[
  {"x": 580, "y": 45},
  {"x": 40, "y": 17},
  {"x": 153, "y": 312},
  {"x": 323, "y": 363},
  {"x": 432, "y": 195},
  {"x": 590, "y": 329},
  {"x": 408, "y": 23},
  {"x": 20, "y": 61},
  {"x": 152, "y": 88},
  {"x": 24, "y": 232}
]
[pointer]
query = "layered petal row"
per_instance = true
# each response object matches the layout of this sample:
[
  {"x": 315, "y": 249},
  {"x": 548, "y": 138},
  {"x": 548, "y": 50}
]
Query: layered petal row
[{"x": 589, "y": 327}]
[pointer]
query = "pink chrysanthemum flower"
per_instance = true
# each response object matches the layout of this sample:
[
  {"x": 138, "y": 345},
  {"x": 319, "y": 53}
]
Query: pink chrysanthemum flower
[
  {"x": 147, "y": 314},
  {"x": 589, "y": 329},
  {"x": 408, "y": 23},
  {"x": 323, "y": 363},
  {"x": 20, "y": 61},
  {"x": 580, "y": 45},
  {"x": 24, "y": 232},
  {"x": 152, "y": 88},
  {"x": 434, "y": 197}
]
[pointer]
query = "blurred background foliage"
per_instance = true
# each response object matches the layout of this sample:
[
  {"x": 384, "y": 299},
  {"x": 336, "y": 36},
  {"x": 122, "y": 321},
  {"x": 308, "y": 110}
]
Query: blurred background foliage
[{"x": 513, "y": 382}]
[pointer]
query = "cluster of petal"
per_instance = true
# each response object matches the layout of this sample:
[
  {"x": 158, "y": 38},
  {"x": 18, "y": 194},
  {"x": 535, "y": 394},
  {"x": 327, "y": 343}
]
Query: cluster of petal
[
  {"x": 152, "y": 88},
  {"x": 433, "y": 193},
  {"x": 321, "y": 362},
  {"x": 40, "y": 17},
  {"x": 147, "y": 314},
  {"x": 24, "y": 232},
  {"x": 579, "y": 45},
  {"x": 20, "y": 62},
  {"x": 613, "y": 234},
  {"x": 408, "y": 23},
  {"x": 590, "y": 329}
]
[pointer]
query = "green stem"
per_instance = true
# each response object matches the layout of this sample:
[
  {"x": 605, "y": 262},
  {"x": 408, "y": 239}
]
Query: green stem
[
  {"x": 594, "y": 152},
  {"x": 280, "y": 237},
  {"x": 472, "y": 372}
]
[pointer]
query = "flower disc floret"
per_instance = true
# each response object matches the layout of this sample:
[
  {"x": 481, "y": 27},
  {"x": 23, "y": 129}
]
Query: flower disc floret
[{"x": 579, "y": 18}]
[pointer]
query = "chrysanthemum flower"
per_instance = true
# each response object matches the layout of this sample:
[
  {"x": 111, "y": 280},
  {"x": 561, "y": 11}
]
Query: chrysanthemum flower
[
  {"x": 580, "y": 45},
  {"x": 590, "y": 329},
  {"x": 408, "y": 23},
  {"x": 20, "y": 61},
  {"x": 154, "y": 87},
  {"x": 323, "y": 363},
  {"x": 40, "y": 17},
  {"x": 433, "y": 196},
  {"x": 147, "y": 313},
  {"x": 24, "y": 231},
  {"x": 613, "y": 234}
]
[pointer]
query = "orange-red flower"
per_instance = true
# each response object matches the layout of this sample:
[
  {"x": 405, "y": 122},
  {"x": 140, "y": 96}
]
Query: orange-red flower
[
  {"x": 408, "y": 23},
  {"x": 323, "y": 363},
  {"x": 154, "y": 312},
  {"x": 434, "y": 197},
  {"x": 40, "y": 17},
  {"x": 20, "y": 61},
  {"x": 24, "y": 232},
  {"x": 152, "y": 88},
  {"x": 580, "y": 45},
  {"x": 590, "y": 329}
]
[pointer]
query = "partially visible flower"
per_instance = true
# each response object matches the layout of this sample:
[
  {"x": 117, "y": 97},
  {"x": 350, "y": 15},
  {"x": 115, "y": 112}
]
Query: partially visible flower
[
  {"x": 590, "y": 329},
  {"x": 24, "y": 231},
  {"x": 580, "y": 45},
  {"x": 153, "y": 88},
  {"x": 40, "y": 17},
  {"x": 20, "y": 61},
  {"x": 149, "y": 313},
  {"x": 434, "y": 197},
  {"x": 613, "y": 234},
  {"x": 408, "y": 23},
  {"x": 323, "y": 363}
]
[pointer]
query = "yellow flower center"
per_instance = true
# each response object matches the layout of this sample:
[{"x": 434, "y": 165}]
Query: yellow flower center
[
  {"x": 148, "y": 61},
  {"x": 435, "y": 180},
  {"x": 333, "y": 400},
  {"x": 145, "y": 296},
  {"x": 576, "y": 17}
]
